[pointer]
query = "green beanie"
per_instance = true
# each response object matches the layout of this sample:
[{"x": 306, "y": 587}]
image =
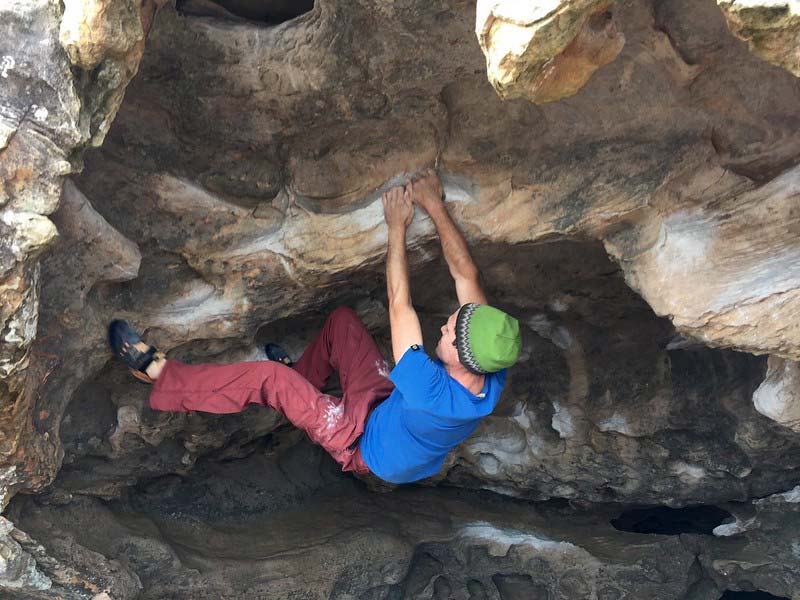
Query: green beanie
[{"x": 487, "y": 339}]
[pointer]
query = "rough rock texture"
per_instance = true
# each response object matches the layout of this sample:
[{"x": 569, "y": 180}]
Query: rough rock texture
[
  {"x": 764, "y": 539},
  {"x": 298, "y": 212},
  {"x": 770, "y": 27},
  {"x": 681, "y": 264},
  {"x": 49, "y": 111},
  {"x": 32, "y": 165},
  {"x": 629, "y": 412},
  {"x": 545, "y": 51},
  {"x": 292, "y": 528},
  {"x": 643, "y": 228}
]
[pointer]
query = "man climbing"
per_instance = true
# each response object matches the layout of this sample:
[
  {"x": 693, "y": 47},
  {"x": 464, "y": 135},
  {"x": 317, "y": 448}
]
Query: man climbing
[{"x": 399, "y": 427}]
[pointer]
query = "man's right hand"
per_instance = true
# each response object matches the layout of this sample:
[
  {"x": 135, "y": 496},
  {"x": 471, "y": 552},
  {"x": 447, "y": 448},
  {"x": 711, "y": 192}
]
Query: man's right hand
[{"x": 426, "y": 191}]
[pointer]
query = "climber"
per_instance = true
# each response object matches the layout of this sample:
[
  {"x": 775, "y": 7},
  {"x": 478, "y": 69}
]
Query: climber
[{"x": 398, "y": 426}]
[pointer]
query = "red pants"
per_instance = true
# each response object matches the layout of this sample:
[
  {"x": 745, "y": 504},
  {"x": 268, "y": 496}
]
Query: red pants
[{"x": 344, "y": 344}]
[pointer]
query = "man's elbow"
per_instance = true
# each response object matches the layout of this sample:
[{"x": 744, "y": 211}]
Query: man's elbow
[
  {"x": 399, "y": 304},
  {"x": 468, "y": 275}
]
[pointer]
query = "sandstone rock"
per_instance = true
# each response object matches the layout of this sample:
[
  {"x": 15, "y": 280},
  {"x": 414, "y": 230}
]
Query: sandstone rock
[
  {"x": 374, "y": 543},
  {"x": 545, "y": 51},
  {"x": 107, "y": 37},
  {"x": 571, "y": 415},
  {"x": 778, "y": 396},
  {"x": 38, "y": 129},
  {"x": 770, "y": 27},
  {"x": 79, "y": 574},
  {"x": 235, "y": 200},
  {"x": 92, "y": 30},
  {"x": 598, "y": 413},
  {"x": 90, "y": 248},
  {"x": 729, "y": 277},
  {"x": 287, "y": 234},
  {"x": 18, "y": 570},
  {"x": 27, "y": 234}
]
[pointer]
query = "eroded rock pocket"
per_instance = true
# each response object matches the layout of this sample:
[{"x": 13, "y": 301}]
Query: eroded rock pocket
[{"x": 663, "y": 520}]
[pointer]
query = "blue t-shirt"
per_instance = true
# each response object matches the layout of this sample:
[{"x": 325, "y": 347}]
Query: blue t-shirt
[{"x": 409, "y": 434}]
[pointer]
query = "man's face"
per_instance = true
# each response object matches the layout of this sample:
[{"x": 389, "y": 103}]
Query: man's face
[{"x": 446, "y": 349}]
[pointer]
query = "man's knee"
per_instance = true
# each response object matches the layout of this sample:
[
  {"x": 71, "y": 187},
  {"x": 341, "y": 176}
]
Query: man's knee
[
  {"x": 274, "y": 368},
  {"x": 343, "y": 314}
]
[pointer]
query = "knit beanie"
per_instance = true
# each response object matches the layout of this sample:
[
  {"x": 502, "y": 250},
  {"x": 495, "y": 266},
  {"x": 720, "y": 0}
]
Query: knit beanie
[{"x": 487, "y": 339}]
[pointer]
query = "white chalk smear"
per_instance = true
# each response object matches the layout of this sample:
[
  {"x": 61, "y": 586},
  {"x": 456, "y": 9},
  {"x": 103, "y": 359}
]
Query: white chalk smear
[
  {"x": 382, "y": 367},
  {"x": 562, "y": 421},
  {"x": 6, "y": 64},
  {"x": 333, "y": 413},
  {"x": 499, "y": 542}
]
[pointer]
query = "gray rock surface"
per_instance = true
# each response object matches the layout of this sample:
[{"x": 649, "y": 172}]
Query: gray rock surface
[
  {"x": 765, "y": 543},
  {"x": 290, "y": 526}
]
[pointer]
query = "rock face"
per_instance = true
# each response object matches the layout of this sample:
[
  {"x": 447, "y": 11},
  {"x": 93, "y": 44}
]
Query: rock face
[
  {"x": 764, "y": 555},
  {"x": 32, "y": 167},
  {"x": 49, "y": 111},
  {"x": 679, "y": 266},
  {"x": 294, "y": 528},
  {"x": 545, "y": 51},
  {"x": 634, "y": 205},
  {"x": 770, "y": 27}
]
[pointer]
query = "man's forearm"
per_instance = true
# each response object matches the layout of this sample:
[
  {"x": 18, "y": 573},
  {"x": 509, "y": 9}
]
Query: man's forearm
[
  {"x": 454, "y": 246},
  {"x": 397, "y": 285}
]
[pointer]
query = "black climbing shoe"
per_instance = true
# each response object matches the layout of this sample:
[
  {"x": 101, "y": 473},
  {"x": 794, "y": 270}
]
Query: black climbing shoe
[
  {"x": 123, "y": 341},
  {"x": 276, "y": 353}
]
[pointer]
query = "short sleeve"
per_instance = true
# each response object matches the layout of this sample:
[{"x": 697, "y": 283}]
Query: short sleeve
[{"x": 418, "y": 378}]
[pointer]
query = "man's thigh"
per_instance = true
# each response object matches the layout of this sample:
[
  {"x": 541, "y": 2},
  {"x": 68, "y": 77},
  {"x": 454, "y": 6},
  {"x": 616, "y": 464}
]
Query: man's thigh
[{"x": 361, "y": 365}]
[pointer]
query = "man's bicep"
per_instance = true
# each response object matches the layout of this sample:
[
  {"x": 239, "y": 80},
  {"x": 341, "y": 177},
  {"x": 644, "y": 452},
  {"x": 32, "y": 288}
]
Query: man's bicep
[
  {"x": 470, "y": 290},
  {"x": 406, "y": 329}
]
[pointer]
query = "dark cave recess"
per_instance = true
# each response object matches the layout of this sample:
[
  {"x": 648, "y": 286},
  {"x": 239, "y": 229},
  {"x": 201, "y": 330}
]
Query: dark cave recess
[
  {"x": 663, "y": 520},
  {"x": 731, "y": 595},
  {"x": 267, "y": 12}
]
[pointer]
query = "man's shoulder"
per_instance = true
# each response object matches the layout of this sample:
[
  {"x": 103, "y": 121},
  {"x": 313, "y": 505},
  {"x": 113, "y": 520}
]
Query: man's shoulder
[
  {"x": 415, "y": 358},
  {"x": 418, "y": 378}
]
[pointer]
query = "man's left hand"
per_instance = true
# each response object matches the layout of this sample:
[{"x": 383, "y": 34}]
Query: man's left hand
[{"x": 398, "y": 210}]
